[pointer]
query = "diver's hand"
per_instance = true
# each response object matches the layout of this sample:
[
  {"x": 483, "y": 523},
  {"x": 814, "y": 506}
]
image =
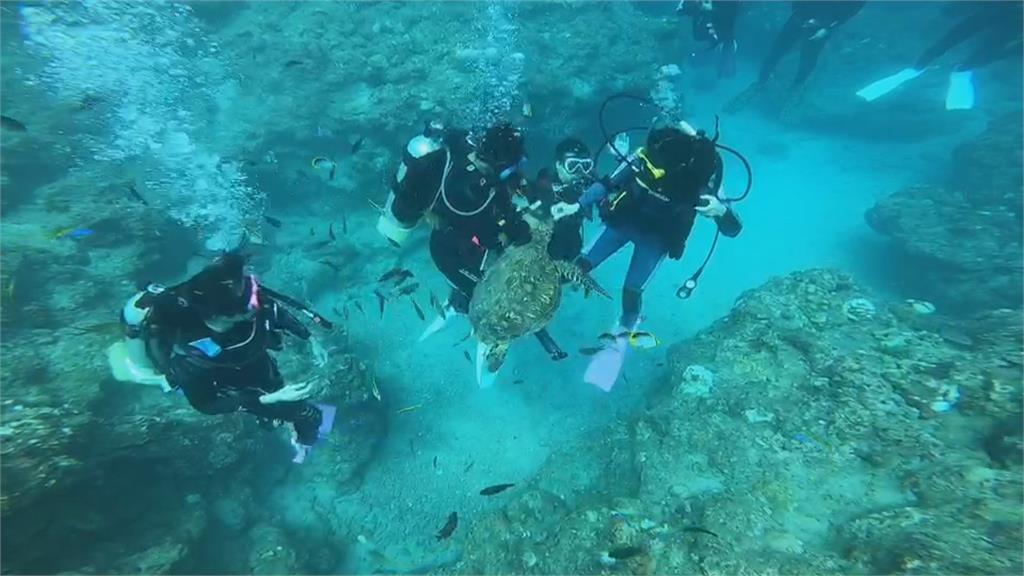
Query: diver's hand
[
  {"x": 562, "y": 209},
  {"x": 290, "y": 393},
  {"x": 713, "y": 207},
  {"x": 319, "y": 352}
]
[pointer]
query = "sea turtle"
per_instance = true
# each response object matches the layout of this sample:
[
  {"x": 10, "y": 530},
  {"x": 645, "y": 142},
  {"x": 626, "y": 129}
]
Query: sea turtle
[{"x": 519, "y": 295}]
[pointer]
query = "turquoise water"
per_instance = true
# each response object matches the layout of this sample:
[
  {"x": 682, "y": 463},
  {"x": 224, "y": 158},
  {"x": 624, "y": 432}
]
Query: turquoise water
[{"x": 816, "y": 447}]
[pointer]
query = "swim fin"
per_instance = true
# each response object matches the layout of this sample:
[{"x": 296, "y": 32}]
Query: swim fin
[
  {"x": 439, "y": 323},
  {"x": 328, "y": 413},
  {"x": 484, "y": 377},
  {"x": 604, "y": 368},
  {"x": 128, "y": 363},
  {"x": 960, "y": 95},
  {"x": 880, "y": 88}
]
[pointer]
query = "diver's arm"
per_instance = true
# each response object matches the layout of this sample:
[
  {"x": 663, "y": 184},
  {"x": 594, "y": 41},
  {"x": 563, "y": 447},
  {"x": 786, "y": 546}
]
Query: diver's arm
[
  {"x": 414, "y": 189},
  {"x": 201, "y": 390},
  {"x": 282, "y": 319},
  {"x": 599, "y": 190},
  {"x": 729, "y": 224}
]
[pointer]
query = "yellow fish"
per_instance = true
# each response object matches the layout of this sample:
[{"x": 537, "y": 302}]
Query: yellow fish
[
  {"x": 643, "y": 340},
  {"x": 62, "y": 232},
  {"x": 410, "y": 408}
]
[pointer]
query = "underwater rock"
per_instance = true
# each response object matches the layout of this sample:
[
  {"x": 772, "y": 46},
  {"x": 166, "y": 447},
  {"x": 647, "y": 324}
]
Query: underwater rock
[
  {"x": 961, "y": 243},
  {"x": 697, "y": 381},
  {"x": 858, "y": 309}
]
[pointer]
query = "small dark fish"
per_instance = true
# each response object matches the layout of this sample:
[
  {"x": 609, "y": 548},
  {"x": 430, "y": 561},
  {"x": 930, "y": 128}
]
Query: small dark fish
[
  {"x": 331, "y": 265},
  {"x": 496, "y": 489},
  {"x": 380, "y": 300},
  {"x": 464, "y": 338},
  {"x": 293, "y": 63},
  {"x": 449, "y": 527},
  {"x": 435, "y": 462},
  {"x": 322, "y": 244},
  {"x": 591, "y": 350},
  {"x": 272, "y": 221},
  {"x": 468, "y": 357},
  {"x": 700, "y": 530},
  {"x": 359, "y": 307},
  {"x": 358, "y": 144},
  {"x": 393, "y": 243},
  {"x": 8, "y": 123},
  {"x": 134, "y": 193},
  {"x": 419, "y": 311},
  {"x": 393, "y": 273},
  {"x": 409, "y": 289},
  {"x": 330, "y": 231},
  {"x": 625, "y": 552},
  {"x": 412, "y": 449},
  {"x": 344, "y": 311},
  {"x": 344, "y": 223},
  {"x": 519, "y": 381},
  {"x": 338, "y": 312},
  {"x": 311, "y": 231},
  {"x": 435, "y": 305},
  {"x": 469, "y": 466}
]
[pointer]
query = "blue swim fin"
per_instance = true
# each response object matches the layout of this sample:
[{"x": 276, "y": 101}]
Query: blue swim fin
[
  {"x": 880, "y": 88},
  {"x": 960, "y": 95}
]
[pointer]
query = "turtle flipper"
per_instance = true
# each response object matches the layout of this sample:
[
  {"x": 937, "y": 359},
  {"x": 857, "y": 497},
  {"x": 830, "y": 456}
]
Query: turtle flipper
[
  {"x": 489, "y": 359},
  {"x": 573, "y": 273}
]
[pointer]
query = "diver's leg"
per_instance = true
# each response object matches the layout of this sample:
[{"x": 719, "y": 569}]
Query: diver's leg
[
  {"x": 609, "y": 242},
  {"x": 809, "y": 54},
  {"x": 960, "y": 32},
  {"x": 995, "y": 48},
  {"x": 787, "y": 38},
  {"x": 549, "y": 345},
  {"x": 647, "y": 257}
]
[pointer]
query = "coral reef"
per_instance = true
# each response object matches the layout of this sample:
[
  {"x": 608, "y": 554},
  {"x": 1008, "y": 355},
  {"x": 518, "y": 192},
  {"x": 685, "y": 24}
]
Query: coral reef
[
  {"x": 818, "y": 449},
  {"x": 963, "y": 241}
]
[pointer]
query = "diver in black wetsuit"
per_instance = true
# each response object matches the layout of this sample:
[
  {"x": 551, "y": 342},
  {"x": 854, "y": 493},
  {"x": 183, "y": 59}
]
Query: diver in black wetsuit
[
  {"x": 572, "y": 173},
  {"x": 997, "y": 25},
  {"x": 810, "y": 25},
  {"x": 211, "y": 334},
  {"x": 714, "y": 22},
  {"x": 465, "y": 190}
]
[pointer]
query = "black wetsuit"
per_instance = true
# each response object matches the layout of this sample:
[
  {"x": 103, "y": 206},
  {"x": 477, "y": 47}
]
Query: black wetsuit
[
  {"x": 460, "y": 243},
  {"x": 567, "y": 237},
  {"x": 717, "y": 27},
  {"x": 808, "y": 18},
  {"x": 234, "y": 379},
  {"x": 473, "y": 216},
  {"x": 998, "y": 25}
]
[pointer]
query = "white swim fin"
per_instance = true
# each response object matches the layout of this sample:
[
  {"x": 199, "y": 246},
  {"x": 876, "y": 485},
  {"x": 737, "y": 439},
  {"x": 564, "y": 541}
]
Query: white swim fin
[
  {"x": 960, "y": 95},
  {"x": 439, "y": 323},
  {"x": 484, "y": 377},
  {"x": 880, "y": 88},
  {"x": 128, "y": 363}
]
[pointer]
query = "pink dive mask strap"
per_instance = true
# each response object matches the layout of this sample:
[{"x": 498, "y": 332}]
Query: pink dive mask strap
[{"x": 254, "y": 301}]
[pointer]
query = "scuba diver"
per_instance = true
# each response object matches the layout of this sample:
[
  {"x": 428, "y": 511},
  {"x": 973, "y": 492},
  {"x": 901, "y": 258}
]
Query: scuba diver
[
  {"x": 210, "y": 336},
  {"x": 810, "y": 25},
  {"x": 571, "y": 175},
  {"x": 465, "y": 190},
  {"x": 714, "y": 22},
  {"x": 997, "y": 25},
  {"x": 651, "y": 200}
]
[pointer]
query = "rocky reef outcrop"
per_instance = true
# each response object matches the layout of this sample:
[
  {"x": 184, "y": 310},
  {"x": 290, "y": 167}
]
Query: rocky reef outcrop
[
  {"x": 960, "y": 243},
  {"x": 817, "y": 429}
]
